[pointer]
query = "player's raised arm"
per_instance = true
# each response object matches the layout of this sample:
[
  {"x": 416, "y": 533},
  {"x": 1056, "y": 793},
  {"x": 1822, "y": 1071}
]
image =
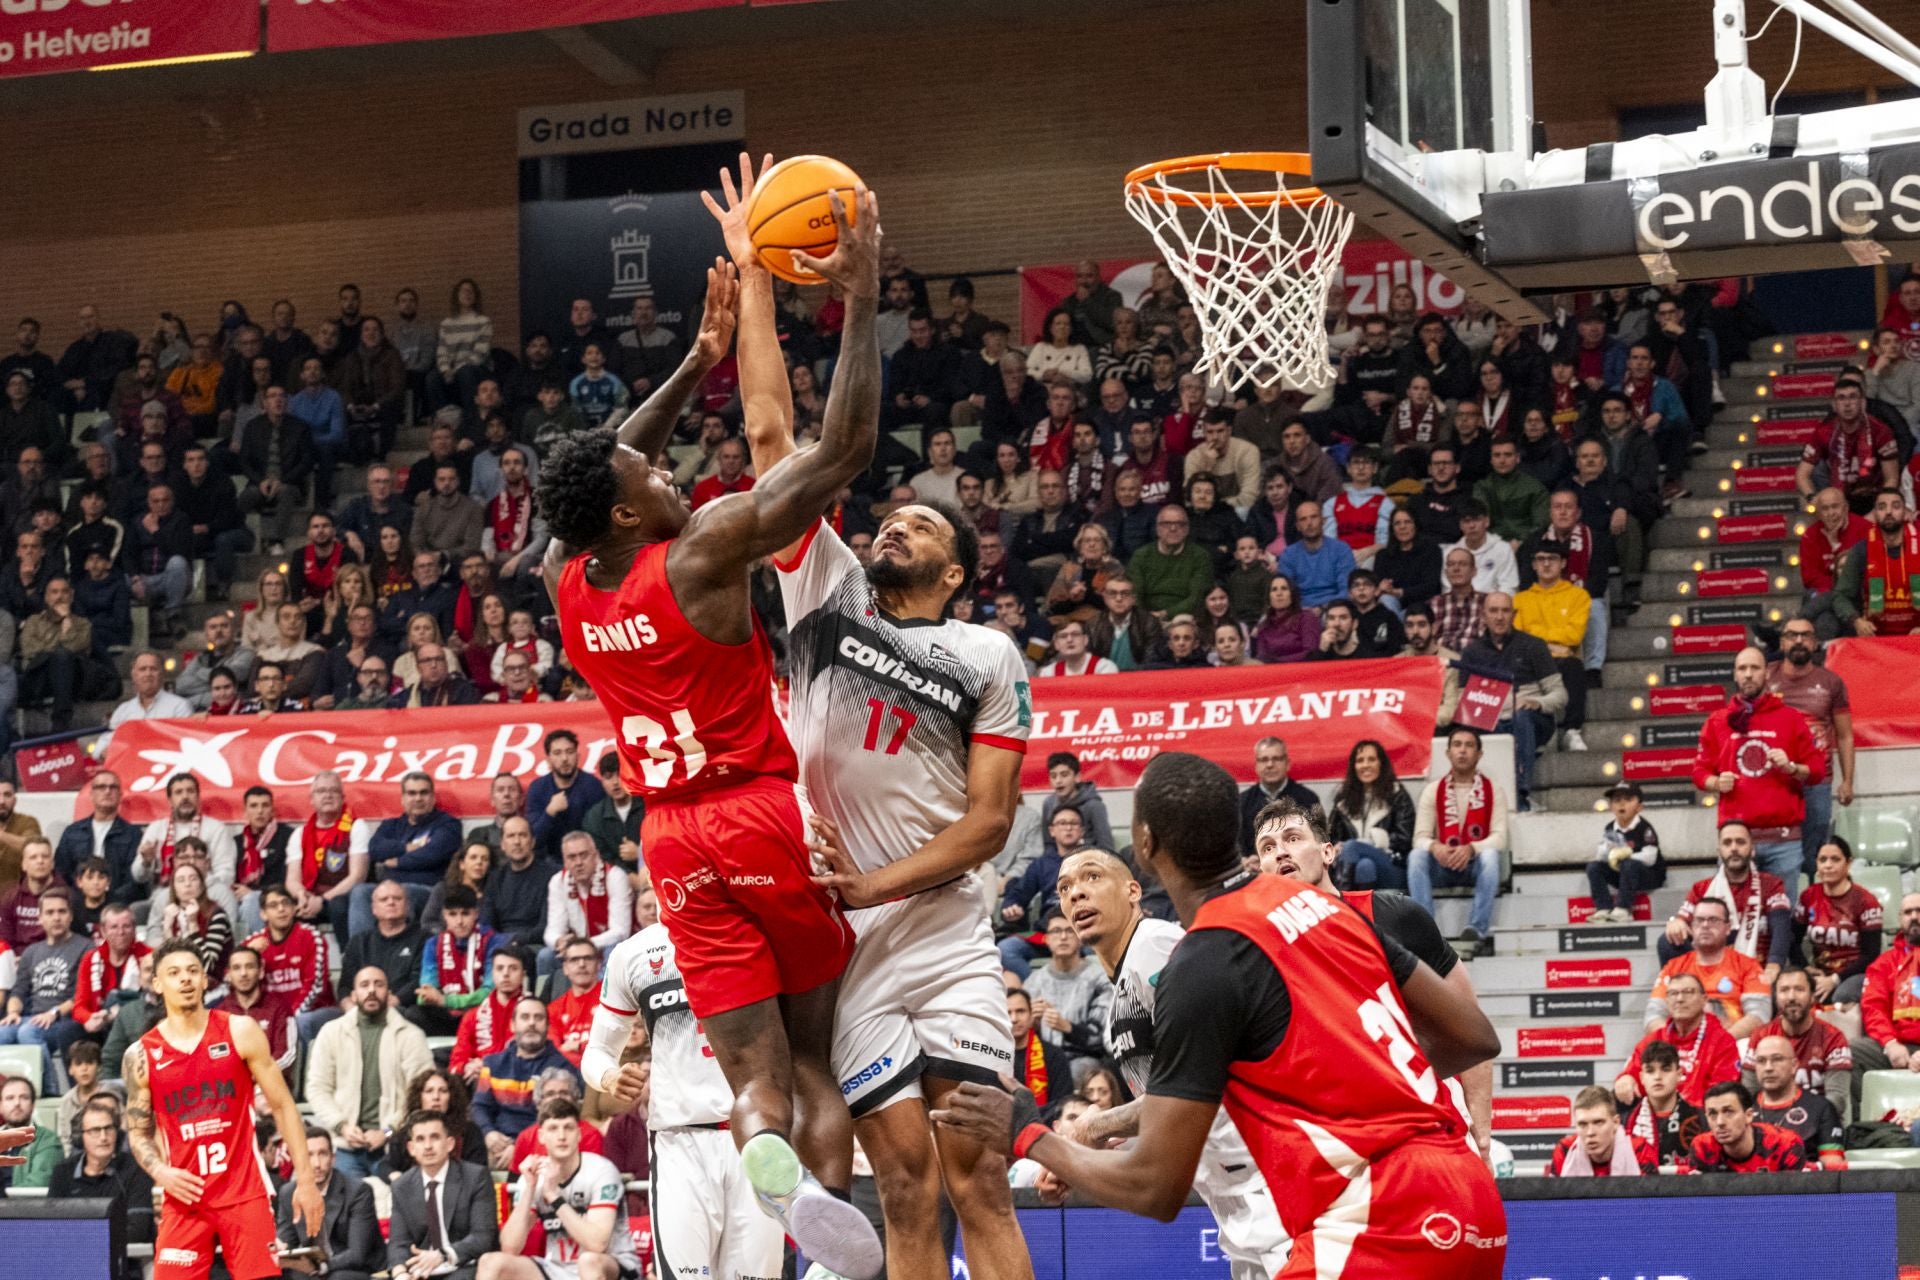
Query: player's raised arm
[
  {"x": 765, "y": 394},
  {"x": 725, "y": 536},
  {"x": 252, "y": 1044},
  {"x": 649, "y": 427}
]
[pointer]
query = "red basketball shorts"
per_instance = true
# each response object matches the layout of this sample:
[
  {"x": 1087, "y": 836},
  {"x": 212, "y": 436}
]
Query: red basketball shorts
[
  {"x": 183, "y": 1246},
  {"x": 1428, "y": 1210},
  {"x": 733, "y": 876}
]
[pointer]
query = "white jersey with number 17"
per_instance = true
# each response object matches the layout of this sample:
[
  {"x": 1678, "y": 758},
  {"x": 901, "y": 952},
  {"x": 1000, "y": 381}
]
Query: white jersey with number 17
[{"x": 885, "y": 710}]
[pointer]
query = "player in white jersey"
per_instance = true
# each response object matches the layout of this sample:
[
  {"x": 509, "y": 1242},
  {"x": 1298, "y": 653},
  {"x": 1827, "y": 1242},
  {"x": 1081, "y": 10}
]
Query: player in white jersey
[
  {"x": 578, "y": 1200},
  {"x": 1102, "y": 902},
  {"x": 911, "y": 729},
  {"x": 706, "y": 1220}
]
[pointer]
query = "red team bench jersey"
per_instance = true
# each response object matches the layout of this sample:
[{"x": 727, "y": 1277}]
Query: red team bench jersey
[{"x": 692, "y": 714}]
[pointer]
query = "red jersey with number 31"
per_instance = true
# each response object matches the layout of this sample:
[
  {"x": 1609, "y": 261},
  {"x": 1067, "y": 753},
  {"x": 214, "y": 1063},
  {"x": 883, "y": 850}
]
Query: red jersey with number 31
[
  {"x": 203, "y": 1112},
  {"x": 691, "y": 713}
]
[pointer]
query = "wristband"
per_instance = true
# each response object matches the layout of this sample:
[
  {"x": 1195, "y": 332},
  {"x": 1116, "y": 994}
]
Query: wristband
[{"x": 1024, "y": 1140}]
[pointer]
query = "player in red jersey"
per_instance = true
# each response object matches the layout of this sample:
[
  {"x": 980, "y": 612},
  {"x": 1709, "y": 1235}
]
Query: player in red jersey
[
  {"x": 655, "y": 611},
  {"x": 1394, "y": 914},
  {"x": 190, "y": 1083},
  {"x": 1325, "y": 1041}
]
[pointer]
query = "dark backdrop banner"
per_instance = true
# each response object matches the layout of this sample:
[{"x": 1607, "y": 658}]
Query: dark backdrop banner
[
  {"x": 50, "y": 37},
  {"x": 319, "y": 24},
  {"x": 613, "y": 251}
]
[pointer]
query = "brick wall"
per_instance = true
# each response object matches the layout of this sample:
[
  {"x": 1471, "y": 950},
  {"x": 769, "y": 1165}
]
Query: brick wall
[{"x": 990, "y": 145}]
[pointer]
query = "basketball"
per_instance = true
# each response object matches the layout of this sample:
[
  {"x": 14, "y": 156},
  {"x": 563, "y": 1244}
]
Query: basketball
[{"x": 791, "y": 210}]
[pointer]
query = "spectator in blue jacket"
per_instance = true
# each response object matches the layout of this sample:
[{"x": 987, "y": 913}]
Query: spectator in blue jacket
[
  {"x": 1318, "y": 565},
  {"x": 104, "y": 834},
  {"x": 506, "y": 1095},
  {"x": 413, "y": 849},
  {"x": 558, "y": 800},
  {"x": 104, "y": 598},
  {"x": 1658, "y": 407},
  {"x": 320, "y": 407}
]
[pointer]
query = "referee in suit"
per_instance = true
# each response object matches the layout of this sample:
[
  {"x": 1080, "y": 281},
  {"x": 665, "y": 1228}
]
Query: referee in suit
[{"x": 443, "y": 1209}]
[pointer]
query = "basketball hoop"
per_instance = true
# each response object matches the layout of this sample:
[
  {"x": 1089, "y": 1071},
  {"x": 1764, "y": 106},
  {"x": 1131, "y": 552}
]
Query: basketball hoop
[{"x": 1257, "y": 262}]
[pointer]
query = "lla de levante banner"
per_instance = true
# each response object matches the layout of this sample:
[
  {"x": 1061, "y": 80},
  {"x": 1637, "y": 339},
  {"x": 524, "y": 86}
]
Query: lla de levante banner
[{"x": 1115, "y": 724}]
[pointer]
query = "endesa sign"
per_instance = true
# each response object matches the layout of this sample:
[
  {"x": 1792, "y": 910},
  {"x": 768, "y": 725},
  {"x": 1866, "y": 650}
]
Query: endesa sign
[
  {"x": 39, "y": 37},
  {"x": 1116, "y": 724}
]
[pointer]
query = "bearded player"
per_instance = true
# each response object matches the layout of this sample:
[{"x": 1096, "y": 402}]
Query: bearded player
[
  {"x": 705, "y": 1221},
  {"x": 656, "y": 613},
  {"x": 1394, "y": 914},
  {"x": 911, "y": 728},
  {"x": 1325, "y": 1041},
  {"x": 190, "y": 1083},
  {"x": 1102, "y": 902}
]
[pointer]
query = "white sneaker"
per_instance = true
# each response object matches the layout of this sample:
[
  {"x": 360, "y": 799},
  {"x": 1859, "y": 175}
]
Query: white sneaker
[
  {"x": 1572, "y": 741},
  {"x": 828, "y": 1230},
  {"x": 1620, "y": 915}
]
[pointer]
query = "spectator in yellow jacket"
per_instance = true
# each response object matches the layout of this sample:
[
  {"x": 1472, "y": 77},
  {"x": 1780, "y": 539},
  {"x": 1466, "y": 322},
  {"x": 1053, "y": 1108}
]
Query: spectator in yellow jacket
[{"x": 1555, "y": 611}]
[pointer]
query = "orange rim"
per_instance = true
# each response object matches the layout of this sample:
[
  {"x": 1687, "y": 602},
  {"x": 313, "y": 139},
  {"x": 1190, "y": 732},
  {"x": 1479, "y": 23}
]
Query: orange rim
[{"x": 1283, "y": 163}]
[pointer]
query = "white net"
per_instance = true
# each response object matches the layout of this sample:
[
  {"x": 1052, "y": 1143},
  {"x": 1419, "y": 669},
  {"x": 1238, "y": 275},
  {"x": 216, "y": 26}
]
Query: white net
[{"x": 1257, "y": 265}]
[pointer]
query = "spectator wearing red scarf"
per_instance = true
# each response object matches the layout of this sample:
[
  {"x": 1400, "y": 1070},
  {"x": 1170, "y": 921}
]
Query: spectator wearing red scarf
[
  {"x": 262, "y": 857},
  {"x": 1039, "y": 1066},
  {"x": 1833, "y": 532},
  {"x": 1857, "y": 449},
  {"x": 1759, "y": 755},
  {"x": 487, "y": 1027},
  {"x": 310, "y": 575},
  {"x": 326, "y": 856},
  {"x": 1876, "y": 590},
  {"x": 293, "y": 954},
  {"x": 1708, "y": 1054},
  {"x": 513, "y": 530}
]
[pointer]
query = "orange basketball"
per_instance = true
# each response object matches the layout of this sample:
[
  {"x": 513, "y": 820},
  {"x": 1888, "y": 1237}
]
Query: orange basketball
[{"x": 791, "y": 210}]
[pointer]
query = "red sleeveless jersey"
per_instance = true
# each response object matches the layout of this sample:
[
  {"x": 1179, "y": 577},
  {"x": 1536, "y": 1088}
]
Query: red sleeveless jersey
[
  {"x": 1355, "y": 523},
  {"x": 203, "y": 1112},
  {"x": 1347, "y": 1083},
  {"x": 691, "y": 713}
]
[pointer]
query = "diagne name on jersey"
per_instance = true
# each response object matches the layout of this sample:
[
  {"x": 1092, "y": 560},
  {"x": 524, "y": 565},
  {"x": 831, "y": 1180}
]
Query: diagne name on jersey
[{"x": 1300, "y": 913}]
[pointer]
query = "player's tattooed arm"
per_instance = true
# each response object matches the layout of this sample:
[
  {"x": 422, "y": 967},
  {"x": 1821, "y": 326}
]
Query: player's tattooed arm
[
  {"x": 142, "y": 1138},
  {"x": 649, "y": 427},
  {"x": 1122, "y": 1121}
]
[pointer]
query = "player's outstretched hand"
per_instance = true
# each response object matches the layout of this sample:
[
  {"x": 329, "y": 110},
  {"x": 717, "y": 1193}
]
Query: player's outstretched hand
[
  {"x": 732, "y": 217},
  {"x": 11, "y": 1139},
  {"x": 841, "y": 877},
  {"x": 722, "y": 313},
  {"x": 854, "y": 264},
  {"x": 1005, "y": 1118}
]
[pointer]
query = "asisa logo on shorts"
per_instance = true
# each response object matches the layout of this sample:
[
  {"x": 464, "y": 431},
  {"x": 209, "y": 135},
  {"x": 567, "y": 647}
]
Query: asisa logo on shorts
[{"x": 872, "y": 1071}]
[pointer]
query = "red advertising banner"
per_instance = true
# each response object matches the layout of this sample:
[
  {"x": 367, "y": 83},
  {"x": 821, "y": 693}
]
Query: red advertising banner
[
  {"x": 56, "y": 35},
  {"x": 55, "y": 766},
  {"x": 1372, "y": 269},
  {"x": 1732, "y": 582},
  {"x": 1656, "y": 764},
  {"x": 1562, "y": 1042},
  {"x": 1116, "y": 724},
  {"x": 1686, "y": 700},
  {"x": 1717, "y": 639},
  {"x": 1880, "y": 677},
  {"x": 321, "y": 24},
  {"x": 1785, "y": 432},
  {"x": 1802, "y": 386},
  {"x": 1776, "y": 479},
  {"x": 1750, "y": 528},
  {"x": 1549, "y": 1112},
  {"x": 1563, "y": 975},
  {"x": 1826, "y": 346}
]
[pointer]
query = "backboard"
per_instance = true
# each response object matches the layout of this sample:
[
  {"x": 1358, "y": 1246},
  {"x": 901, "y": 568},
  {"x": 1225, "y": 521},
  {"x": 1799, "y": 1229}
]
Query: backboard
[{"x": 1421, "y": 121}]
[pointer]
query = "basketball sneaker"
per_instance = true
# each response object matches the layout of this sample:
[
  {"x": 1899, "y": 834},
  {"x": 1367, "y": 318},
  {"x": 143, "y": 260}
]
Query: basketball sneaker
[{"x": 830, "y": 1231}]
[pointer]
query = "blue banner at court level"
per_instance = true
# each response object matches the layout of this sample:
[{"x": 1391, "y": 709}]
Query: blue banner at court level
[{"x": 1669, "y": 1237}]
